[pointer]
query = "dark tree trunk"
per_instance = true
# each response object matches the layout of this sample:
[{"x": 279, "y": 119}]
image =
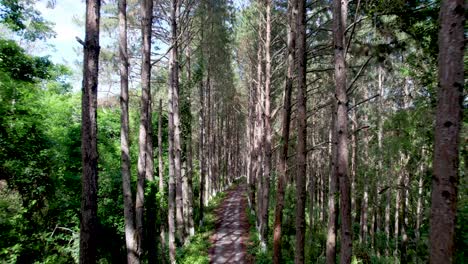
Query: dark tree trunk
[
  {"x": 285, "y": 123},
  {"x": 89, "y": 180},
  {"x": 447, "y": 131},
  {"x": 301, "y": 131}
]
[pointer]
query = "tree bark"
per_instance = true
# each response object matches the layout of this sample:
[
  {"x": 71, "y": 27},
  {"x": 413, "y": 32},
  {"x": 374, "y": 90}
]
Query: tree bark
[
  {"x": 267, "y": 130},
  {"x": 301, "y": 131},
  {"x": 162, "y": 185},
  {"x": 172, "y": 177},
  {"x": 144, "y": 151},
  {"x": 419, "y": 204},
  {"x": 201, "y": 152},
  {"x": 447, "y": 131},
  {"x": 188, "y": 209},
  {"x": 176, "y": 119},
  {"x": 332, "y": 196},
  {"x": 129, "y": 210},
  {"x": 89, "y": 152},
  {"x": 341, "y": 158}
]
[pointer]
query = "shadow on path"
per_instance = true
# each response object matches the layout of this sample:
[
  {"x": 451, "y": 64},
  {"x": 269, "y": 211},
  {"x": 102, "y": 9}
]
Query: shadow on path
[{"x": 231, "y": 235}]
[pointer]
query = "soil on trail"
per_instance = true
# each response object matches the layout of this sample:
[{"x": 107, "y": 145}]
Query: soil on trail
[{"x": 232, "y": 227}]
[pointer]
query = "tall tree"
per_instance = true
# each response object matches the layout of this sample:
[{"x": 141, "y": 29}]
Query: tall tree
[
  {"x": 301, "y": 148},
  {"x": 176, "y": 116},
  {"x": 285, "y": 126},
  {"x": 267, "y": 128},
  {"x": 89, "y": 152},
  {"x": 341, "y": 127},
  {"x": 162, "y": 185},
  {"x": 129, "y": 210},
  {"x": 175, "y": 197},
  {"x": 145, "y": 127},
  {"x": 447, "y": 131}
]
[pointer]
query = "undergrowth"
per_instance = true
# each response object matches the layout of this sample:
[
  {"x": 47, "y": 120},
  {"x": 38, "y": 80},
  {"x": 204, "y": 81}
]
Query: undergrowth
[{"x": 196, "y": 252}]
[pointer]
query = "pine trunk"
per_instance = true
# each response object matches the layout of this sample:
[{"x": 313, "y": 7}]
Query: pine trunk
[
  {"x": 89, "y": 180},
  {"x": 341, "y": 106},
  {"x": 267, "y": 130},
  {"x": 129, "y": 210},
  {"x": 162, "y": 185},
  {"x": 301, "y": 131},
  {"x": 447, "y": 131}
]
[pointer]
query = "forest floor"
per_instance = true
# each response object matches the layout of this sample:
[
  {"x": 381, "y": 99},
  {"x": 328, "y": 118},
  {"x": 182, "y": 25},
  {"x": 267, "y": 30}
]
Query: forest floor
[{"x": 229, "y": 242}]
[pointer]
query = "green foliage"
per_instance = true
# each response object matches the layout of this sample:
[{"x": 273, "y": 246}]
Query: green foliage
[
  {"x": 21, "y": 66},
  {"x": 21, "y": 17},
  {"x": 196, "y": 251}
]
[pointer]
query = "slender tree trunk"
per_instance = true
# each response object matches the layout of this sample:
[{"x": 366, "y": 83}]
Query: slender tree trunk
[
  {"x": 89, "y": 152},
  {"x": 259, "y": 129},
  {"x": 367, "y": 181},
  {"x": 129, "y": 210},
  {"x": 267, "y": 130},
  {"x": 208, "y": 138},
  {"x": 341, "y": 158},
  {"x": 447, "y": 131},
  {"x": 354, "y": 127},
  {"x": 419, "y": 206},
  {"x": 397, "y": 213},
  {"x": 332, "y": 196},
  {"x": 187, "y": 190},
  {"x": 201, "y": 152},
  {"x": 301, "y": 131},
  {"x": 161, "y": 179},
  {"x": 144, "y": 151},
  {"x": 173, "y": 80},
  {"x": 252, "y": 147},
  {"x": 404, "y": 218},
  {"x": 176, "y": 117}
]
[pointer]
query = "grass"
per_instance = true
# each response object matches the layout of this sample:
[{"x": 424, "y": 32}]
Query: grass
[{"x": 196, "y": 252}]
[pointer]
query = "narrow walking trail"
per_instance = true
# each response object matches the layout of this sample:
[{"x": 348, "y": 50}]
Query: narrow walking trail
[{"x": 231, "y": 229}]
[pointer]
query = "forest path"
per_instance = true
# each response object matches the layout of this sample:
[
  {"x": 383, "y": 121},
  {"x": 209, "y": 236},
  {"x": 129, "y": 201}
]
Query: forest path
[{"x": 232, "y": 229}]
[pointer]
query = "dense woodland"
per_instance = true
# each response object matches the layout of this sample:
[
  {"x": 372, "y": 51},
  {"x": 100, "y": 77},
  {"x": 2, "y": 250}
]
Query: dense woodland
[{"x": 346, "y": 121}]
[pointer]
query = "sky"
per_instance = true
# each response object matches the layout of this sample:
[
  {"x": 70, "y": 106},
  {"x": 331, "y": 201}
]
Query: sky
[
  {"x": 63, "y": 15},
  {"x": 65, "y": 43},
  {"x": 66, "y": 49}
]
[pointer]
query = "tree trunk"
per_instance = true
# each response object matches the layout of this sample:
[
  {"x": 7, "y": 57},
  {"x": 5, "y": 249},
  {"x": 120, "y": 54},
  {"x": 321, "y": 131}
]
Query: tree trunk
[
  {"x": 447, "y": 131},
  {"x": 208, "y": 138},
  {"x": 341, "y": 158},
  {"x": 144, "y": 151},
  {"x": 176, "y": 117},
  {"x": 129, "y": 210},
  {"x": 301, "y": 131},
  {"x": 89, "y": 152},
  {"x": 267, "y": 131},
  {"x": 161, "y": 179},
  {"x": 188, "y": 210},
  {"x": 201, "y": 152},
  {"x": 397, "y": 213},
  {"x": 259, "y": 124},
  {"x": 367, "y": 181},
  {"x": 173, "y": 80},
  {"x": 332, "y": 196},
  {"x": 419, "y": 206}
]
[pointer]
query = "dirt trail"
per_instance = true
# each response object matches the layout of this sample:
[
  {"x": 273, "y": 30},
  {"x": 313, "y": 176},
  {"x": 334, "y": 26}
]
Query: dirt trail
[{"x": 231, "y": 229}]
